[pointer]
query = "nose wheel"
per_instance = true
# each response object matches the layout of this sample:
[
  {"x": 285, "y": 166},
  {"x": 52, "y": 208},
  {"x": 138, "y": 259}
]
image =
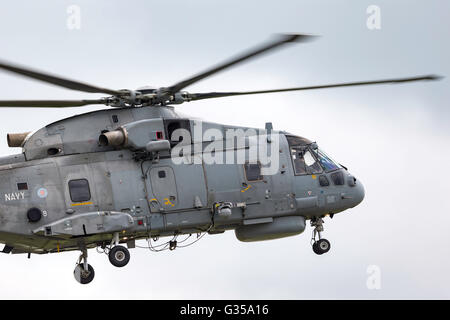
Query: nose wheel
[{"x": 319, "y": 244}]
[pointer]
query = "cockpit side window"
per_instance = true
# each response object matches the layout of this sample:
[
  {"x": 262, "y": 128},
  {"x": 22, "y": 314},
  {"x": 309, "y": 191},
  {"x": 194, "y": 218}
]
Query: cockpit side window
[
  {"x": 304, "y": 161},
  {"x": 307, "y": 158},
  {"x": 299, "y": 162}
]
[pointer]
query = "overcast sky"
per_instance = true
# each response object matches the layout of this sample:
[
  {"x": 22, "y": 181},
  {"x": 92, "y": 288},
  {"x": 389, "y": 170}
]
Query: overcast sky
[{"x": 394, "y": 138}]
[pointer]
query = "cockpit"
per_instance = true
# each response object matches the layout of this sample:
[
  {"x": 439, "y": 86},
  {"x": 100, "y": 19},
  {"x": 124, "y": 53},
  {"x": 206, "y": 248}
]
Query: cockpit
[
  {"x": 307, "y": 158},
  {"x": 321, "y": 185}
]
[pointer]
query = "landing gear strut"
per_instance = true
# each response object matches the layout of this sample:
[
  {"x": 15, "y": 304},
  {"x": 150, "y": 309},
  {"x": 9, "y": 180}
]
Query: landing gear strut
[
  {"x": 119, "y": 256},
  {"x": 83, "y": 273},
  {"x": 319, "y": 246}
]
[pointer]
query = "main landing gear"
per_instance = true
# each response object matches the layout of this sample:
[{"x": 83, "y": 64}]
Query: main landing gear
[
  {"x": 119, "y": 256},
  {"x": 319, "y": 246},
  {"x": 83, "y": 273}
]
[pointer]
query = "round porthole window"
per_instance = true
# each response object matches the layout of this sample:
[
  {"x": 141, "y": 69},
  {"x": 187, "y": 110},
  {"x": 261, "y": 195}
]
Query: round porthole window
[{"x": 34, "y": 214}]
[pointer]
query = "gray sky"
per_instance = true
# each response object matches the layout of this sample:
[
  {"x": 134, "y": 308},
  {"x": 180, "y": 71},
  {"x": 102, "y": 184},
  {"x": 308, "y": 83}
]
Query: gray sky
[{"x": 394, "y": 138}]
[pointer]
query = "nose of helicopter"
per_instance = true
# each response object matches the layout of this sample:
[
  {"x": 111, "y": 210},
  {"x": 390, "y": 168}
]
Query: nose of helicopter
[{"x": 358, "y": 193}]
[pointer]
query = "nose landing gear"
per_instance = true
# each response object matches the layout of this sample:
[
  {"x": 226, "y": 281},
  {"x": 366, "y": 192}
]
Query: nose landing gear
[{"x": 321, "y": 245}]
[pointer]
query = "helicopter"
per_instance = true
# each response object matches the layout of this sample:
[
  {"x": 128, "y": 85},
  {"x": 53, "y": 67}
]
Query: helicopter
[{"x": 139, "y": 170}]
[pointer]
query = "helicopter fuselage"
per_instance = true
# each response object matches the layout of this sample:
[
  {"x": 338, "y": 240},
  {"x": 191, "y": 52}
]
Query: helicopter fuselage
[{"x": 67, "y": 190}]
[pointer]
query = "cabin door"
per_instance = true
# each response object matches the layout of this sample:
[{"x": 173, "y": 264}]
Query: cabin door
[{"x": 173, "y": 187}]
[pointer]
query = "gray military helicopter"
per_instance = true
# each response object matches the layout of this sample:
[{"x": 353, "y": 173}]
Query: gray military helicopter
[{"x": 138, "y": 171}]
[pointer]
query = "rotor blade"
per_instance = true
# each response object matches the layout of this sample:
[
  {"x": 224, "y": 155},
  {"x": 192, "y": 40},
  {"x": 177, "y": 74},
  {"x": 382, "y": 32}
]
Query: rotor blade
[
  {"x": 201, "y": 96},
  {"x": 56, "y": 80},
  {"x": 48, "y": 103},
  {"x": 281, "y": 40}
]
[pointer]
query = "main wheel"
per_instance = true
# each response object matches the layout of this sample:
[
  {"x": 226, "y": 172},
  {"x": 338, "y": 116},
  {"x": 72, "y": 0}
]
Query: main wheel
[
  {"x": 315, "y": 249},
  {"x": 83, "y": 276},
  {"x": 119, "y": 256},
  {"x": 323, "y": 246}
]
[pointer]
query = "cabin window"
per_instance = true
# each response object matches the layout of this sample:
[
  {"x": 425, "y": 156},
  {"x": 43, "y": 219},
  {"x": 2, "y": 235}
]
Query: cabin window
[
  {"x": 161, "y": 174},
  {"x": 253, "y": 171},
  {"x": 22, "y": 186},
  {"x": 79, "y": 190}
]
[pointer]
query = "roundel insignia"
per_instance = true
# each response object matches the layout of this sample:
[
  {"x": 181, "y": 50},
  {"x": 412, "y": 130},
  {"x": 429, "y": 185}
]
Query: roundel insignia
[{"x": 42, "y": 193}]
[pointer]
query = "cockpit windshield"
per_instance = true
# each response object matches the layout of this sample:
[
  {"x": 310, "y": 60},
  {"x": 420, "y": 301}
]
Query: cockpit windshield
[
  {"x": 327, "y": 163},
  {"x": 308, "y": 158}
]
